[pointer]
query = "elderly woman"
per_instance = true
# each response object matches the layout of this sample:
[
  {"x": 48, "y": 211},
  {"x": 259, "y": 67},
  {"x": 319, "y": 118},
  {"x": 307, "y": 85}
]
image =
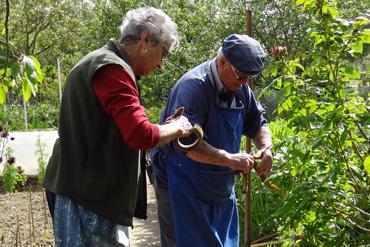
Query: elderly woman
[{"x": 93, "y": 176}]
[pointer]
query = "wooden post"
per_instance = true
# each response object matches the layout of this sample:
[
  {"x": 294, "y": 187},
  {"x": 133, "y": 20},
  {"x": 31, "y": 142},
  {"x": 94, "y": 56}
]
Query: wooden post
[
  {"x": 248, "y": 10},
  {"x": 248, "y": 148}
]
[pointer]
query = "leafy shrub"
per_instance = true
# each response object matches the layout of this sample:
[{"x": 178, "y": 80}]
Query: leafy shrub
[
  {"x": 154, "y": 113},
  {"x": 12, "y": 176},
  {"x": 320, "y": 165},
  {"x": 41, "y": 159},
  {"x": 265, "y": 202},
  {"x": 39, "y": 116}
]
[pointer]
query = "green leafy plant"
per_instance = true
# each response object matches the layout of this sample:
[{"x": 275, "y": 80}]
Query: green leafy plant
[
  {"x": 323, "y": 161},
  {"x": 25, "y": 73},
  {"x": 265, "y": 202},
  {"x": 41, "y": 159},
  {"x": 12, "y": 175},
  {"x": 40, "y": 115}
]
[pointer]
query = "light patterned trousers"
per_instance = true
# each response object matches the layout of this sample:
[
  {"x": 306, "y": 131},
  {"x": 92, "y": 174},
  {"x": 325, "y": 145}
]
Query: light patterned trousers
[{"x": 78, "y": 227}]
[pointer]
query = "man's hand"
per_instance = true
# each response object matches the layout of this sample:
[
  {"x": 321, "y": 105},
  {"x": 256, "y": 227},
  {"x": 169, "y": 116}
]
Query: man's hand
[
  {"x": 263, "y": 163},
  {"x": 263, "y": 159},
  {"x": 242, "y": 162}
]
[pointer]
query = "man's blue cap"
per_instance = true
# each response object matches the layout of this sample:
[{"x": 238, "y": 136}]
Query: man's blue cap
[{"x": 244, "y": 53}]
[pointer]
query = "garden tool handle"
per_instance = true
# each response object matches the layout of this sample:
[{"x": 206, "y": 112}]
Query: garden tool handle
[
  {"x": 179, "y": 112},
  {"x": 197, "y": 130}
]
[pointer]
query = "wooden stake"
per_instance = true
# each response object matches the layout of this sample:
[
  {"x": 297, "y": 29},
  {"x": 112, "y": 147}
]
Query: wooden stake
[{"x": 248, "y": 148}]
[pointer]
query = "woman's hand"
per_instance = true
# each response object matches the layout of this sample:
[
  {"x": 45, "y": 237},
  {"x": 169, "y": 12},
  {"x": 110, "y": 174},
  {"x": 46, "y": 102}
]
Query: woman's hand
[
  {"x": 174, "y": 128},
  {"x": 182, "y": 125}
]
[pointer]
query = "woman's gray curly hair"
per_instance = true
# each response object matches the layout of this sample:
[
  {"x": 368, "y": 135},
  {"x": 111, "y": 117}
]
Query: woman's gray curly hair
[{"x": 163, "y": 30}]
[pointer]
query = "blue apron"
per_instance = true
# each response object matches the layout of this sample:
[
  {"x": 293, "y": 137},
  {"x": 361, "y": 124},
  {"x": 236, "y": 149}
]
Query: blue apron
[{"x": 202, "y": 196}]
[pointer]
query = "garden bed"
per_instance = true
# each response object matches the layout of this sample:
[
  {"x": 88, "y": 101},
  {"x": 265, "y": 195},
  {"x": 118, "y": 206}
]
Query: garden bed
[{"x": 25, "y": 219}]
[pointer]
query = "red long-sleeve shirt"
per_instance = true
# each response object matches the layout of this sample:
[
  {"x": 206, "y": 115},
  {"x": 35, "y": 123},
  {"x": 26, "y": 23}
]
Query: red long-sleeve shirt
[{"x": 119, "y": 96}]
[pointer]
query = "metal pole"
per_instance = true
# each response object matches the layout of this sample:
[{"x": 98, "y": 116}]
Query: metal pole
[
  {"x": 25, "y": 113},
  {"x": 248, "y": 148}
]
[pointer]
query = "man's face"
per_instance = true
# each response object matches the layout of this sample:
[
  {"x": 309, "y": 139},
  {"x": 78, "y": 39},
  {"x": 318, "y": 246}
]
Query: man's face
[{"x": 231, "y": 77}]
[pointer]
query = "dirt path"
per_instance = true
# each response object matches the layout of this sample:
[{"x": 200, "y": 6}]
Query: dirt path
[
  {"x": 25, "y": 221},
  {"x": 146, "y": 232}
]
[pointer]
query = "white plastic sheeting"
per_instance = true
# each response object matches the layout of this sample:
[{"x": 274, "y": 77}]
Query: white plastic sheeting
[{"x": 24, "y": 148}]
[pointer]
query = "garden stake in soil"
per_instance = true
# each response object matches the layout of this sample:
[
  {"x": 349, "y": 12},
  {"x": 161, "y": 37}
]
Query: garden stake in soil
[
  {"x": 248, "y": 148},
  {"x": 247, "y": 177},
  {"x": 247, "y": 192}
]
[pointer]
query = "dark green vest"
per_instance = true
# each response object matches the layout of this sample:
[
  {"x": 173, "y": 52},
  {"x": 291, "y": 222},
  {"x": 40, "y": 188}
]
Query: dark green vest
[{"x": 91, "y": 164}]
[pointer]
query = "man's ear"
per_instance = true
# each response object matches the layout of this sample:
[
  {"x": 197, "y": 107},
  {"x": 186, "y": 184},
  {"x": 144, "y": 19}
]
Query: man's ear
[
  {"x": 222, "y": 61},
  {"x": 222, "y": 68}
]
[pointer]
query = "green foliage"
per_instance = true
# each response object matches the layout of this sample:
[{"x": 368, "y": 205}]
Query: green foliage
[
  {"x": 43, "y": 115},
  {"x": 40, "y": 115},
  {"x": 322, "y": 164},
  {"x": 196, "y": 45},
  {"x": 280, "y": 22},
  {"x": 48, "y": 92},
  {"x": 24, "y": 74},
  {"x": 41, "y": 159},
  {"x": 264, "y": 201},
  {"x": 154, "y": 113},
  {"x": 367, "y": 164},
  {"x": 45, "y": 28},
  {"x": 12, "y": 176}
]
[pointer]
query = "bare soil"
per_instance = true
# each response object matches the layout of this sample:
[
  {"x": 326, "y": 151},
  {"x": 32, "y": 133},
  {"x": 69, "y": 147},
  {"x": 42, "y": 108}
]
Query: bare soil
[{"x": 25, "y": 221}]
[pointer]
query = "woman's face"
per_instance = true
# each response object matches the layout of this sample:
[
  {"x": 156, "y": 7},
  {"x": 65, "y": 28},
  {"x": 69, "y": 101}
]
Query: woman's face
[{"x": 152, "y": 58}]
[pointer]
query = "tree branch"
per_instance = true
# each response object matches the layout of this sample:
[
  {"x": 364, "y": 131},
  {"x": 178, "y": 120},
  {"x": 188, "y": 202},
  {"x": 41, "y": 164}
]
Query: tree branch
[
  {"x": 41, "y": 28},
  {"x": 7, "y": 13},
  {"x": 43, "y": 49}
]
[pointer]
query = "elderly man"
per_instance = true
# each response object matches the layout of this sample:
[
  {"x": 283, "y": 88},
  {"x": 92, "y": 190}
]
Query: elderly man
[{"x": 195, "y": 190}]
